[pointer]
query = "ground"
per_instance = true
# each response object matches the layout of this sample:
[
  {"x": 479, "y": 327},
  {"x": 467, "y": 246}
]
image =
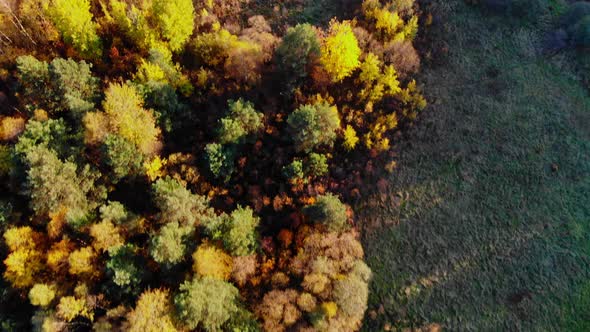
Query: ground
[{"x": 485, "y": 223}]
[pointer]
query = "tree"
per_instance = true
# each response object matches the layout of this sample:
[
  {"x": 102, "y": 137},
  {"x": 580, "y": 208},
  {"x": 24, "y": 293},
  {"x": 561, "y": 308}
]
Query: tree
[
  {"x": 340, "y": 51},
  {"x": 240, "y": 236},
  {"x": 221, "y": 159},
  {"x": 169, "y": 246},
  {"x": 313, "y": 125},
  {"x": 152, "y": 313},
  {"x": 242, "y": 121},
  {"x": 123, "y": 108},
  {"x": 106, "y": 236},
  {"x": 207, "y": 302},
  {"x": 175, "y": 20},
  {"x": 70, "y": 307},
  {"x": 73, "y": 20},
  {"x": 73, "y": 82},
  {"x": 329, "y": 211},
  {"x": 115, "y": 212},
  {"x": 316, "y": 165},
  {"x": 50, "y": 134},
  {"x": 22, "y": 266},
  {"x": 124, "y": 268},
  {"x": 121, "y": 156},
  {"x": 82, "y": 261},
  {"x": 299, "y": 47},
  {"x": 54, "y": 184},
  {"x": 350, "y": 138},
  {"x": 41, "y": 295},
  {"x": 210, "y": 261},
  {"x": 178, "y": 204},
  {"x": 352, "y": 292}
]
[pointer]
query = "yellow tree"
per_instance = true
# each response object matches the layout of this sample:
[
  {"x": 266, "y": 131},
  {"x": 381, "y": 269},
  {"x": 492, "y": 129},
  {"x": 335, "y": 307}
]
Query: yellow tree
[
  {"x": 152, "y": 313},
  {"x": 340, "y": 51},
  {"x": 73, "y": 19}
]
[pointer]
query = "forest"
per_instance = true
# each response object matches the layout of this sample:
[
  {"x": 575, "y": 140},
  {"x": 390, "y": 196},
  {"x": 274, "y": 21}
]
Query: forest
[{"x": 191, "y": 164}]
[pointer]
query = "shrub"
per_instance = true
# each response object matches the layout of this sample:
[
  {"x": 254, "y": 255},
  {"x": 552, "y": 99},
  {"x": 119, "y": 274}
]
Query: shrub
[
  {"x": 212, "y": 262},
  {"x": 73, "y": 19},
  {"x": 153, "y": 312},
  {"x": 41, "y": 295},
  {"x": 340, "y": 51},
  {"x": 313, "y": 125},
  {"x": 169, "y": 245},
  {"x": 298, "y": 48},
  {"x": 207, "y": 302}
]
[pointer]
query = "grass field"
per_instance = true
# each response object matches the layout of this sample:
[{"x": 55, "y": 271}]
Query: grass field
[{"x": 485, "y": 224}]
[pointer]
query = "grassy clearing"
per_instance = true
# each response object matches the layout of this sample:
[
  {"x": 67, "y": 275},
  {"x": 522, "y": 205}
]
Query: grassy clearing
[{"x": 490, "y": 204}]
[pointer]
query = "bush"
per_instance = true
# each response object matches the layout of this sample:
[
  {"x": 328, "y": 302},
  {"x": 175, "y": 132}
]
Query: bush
[
  {"x": 329, "y": 211},
  {"x": 313, "y": 125},
  {"x": 207, "y": 302},
  {"x": 316, "y": 165}
]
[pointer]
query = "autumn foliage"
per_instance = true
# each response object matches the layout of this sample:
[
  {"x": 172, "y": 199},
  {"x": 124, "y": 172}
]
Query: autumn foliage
[{"x": 177, "y": 165}]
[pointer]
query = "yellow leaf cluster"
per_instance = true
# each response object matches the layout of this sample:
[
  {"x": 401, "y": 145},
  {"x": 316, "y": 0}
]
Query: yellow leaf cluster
[
  {"x": 350, "y": 138},
  {"x": 106, "y": 235},
  {"x": 69, "y": 308},
  {"x": 81, "y": 261},
  {"x": 154, "y": 168},
  {"x": 340, "y": 51},
  {"x": 41, "y": 295},
  {"x": 21, "y": 267},
  {"x": 374, "y": 138},
  {"x": 210, "y": 261},
  {"x": 330, "y": 309},
  {"x": 152, "y": 313}
]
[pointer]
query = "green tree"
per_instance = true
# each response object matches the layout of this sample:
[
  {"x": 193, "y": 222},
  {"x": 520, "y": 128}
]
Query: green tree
[
  {"x": 206, "y": 302},
  {"x": 121, "y": 156},
  {"x": 329, "y": 211},
  {"x": 74, "y": 21},
  {"x": 33, "y": 78},
  {"x": 169, "y": 246},
  {"x": 125, "y": 268},
  {"x": 299, "y": 47},
  {"x": 239, "y": 234},
  {"x": 51, "y": 134},
  {"x": 242, "y": 121},
  {"x": 313, "y": 125},
  {"x": 175, "y": 20},
  {"x": 55, "y": 184},
  {"x": 178, "y": 204},
  {"x": 114, "y": 211},
  {"x": 221, "y": 160},
  {"x": 316, "y": 165},
  {"x": 74, "y": 84}
]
